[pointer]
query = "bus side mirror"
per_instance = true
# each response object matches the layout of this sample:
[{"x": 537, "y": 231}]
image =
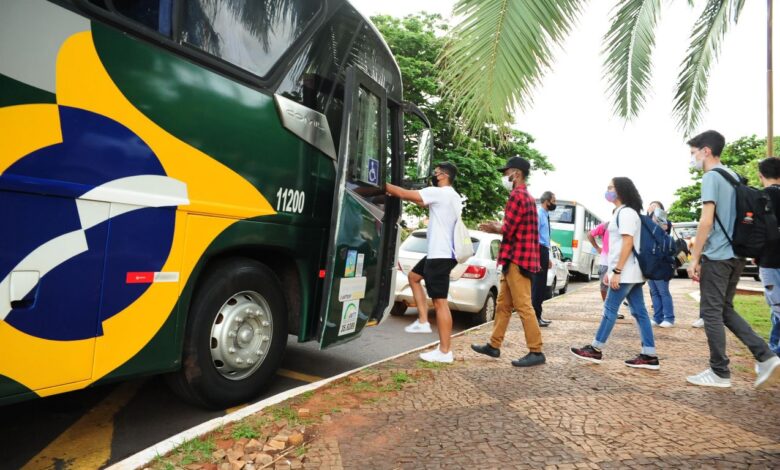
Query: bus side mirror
[{"x": 424, "y": 154}]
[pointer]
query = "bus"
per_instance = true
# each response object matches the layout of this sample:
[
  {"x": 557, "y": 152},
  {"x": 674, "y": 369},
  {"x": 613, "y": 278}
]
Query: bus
[
  {"x": 185, "y": 183},
  {"x": 570, "y": 223}
]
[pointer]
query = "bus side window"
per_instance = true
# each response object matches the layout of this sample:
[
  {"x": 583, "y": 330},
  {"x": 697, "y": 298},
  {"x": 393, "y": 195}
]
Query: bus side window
[
  {"x": 252, "y": 35},
  {"x": 153, "y": 14}
]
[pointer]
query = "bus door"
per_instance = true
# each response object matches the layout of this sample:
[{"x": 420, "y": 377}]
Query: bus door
[{"x": 355, "y": 260}]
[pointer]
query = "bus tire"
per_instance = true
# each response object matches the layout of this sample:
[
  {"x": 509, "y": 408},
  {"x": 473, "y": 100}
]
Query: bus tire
[
  {"x": 399, "y": 309},
  {"x": 235, "y": 337}
]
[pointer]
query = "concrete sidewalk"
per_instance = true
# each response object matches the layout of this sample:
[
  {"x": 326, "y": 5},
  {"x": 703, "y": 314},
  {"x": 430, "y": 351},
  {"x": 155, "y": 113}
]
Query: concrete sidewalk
[{"x": 484, "y": 413}]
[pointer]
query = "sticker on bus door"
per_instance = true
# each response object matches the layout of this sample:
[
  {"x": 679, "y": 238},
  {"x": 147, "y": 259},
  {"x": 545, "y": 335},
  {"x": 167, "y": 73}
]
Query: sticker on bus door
[{"x": 349, "y": 316}]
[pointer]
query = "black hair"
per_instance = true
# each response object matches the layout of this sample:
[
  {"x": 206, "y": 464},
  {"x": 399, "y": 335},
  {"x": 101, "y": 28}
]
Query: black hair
[
  {"x": 546, "y": 196},
  {"x": 658, "y": 203},
  {"x": 627, "y": 193},
  {"x": 769, "y": 167},
  {"x": 449, "y": 168},
  {"x": 712, "y": 139}
]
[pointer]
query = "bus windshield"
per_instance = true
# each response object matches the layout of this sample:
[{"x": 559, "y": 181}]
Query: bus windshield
[{"x": 564, "y": 213}]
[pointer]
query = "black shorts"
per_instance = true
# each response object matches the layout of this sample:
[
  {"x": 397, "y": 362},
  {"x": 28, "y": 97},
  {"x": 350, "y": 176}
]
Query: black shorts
[{"x": 436, "y": 273}]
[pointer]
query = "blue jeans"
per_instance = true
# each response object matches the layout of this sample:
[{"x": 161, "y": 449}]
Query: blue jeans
[
  {"x": 770, "y": 277},
  {"x": 663, "y": 308},
  {"x": 636, "y": 302}
]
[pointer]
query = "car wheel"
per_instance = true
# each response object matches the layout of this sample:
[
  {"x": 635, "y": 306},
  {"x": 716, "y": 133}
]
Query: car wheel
[
  {"x": 235, "y": 337},
  {"x": 564, "y": 288},
  {"x": 399, "y": 308},
  {"x": 551, "y": 289},
  {"x": 488, "y": 312}
]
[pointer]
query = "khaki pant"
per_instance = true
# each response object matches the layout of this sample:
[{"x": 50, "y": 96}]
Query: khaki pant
[{"x": 515, "y": 292}]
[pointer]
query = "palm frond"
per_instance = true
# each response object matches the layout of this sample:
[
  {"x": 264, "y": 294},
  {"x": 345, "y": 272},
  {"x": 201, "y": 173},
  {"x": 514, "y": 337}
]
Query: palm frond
[
  {"x": 497, "y": 53},
  {"x": 628, "y": 46},
  {"x": 706, "y": 38}
]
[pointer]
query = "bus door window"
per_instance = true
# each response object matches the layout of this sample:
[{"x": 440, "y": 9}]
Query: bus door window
[{"x": 366, "y": 163}]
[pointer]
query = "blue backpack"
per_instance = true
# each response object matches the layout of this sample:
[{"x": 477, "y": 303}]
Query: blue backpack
[{"x": 656, "y": 250}]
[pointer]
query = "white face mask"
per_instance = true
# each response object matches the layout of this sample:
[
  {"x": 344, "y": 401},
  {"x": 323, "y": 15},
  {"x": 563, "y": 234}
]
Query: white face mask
[
  {"x": 697, "y": 164},
  {"x": 509, "y": 185}
]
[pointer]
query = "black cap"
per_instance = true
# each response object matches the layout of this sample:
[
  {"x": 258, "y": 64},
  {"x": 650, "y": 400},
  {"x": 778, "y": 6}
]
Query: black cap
[
  {"x": 449, "y": 168},
  {"x": 519, "y": 163}
]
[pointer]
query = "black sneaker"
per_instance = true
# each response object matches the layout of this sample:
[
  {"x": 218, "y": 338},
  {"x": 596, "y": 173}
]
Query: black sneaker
[
  {"x": 587, "y": 353},
  {"x": 543, "y": 323},
  {"x": 621, "y": 316},
  {"x": 529, "y": 360},
  {"x": 644, "y": 361},
  {"x": 486, "y": 349}
]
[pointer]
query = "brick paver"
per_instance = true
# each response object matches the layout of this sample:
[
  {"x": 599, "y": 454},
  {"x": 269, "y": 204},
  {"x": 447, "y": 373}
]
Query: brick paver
[{"x": 484, "y": 413}]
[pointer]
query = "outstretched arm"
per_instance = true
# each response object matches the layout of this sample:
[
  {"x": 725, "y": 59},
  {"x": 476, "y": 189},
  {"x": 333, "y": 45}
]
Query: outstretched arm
[{"x": 405, "y": 194}]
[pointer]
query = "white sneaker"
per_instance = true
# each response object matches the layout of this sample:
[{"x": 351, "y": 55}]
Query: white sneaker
[
  {"x": 437, "y": 356},
  {"x": 708, "y": 378},
  {"x": 654, "y": 323},
  {"x": 699, "y": 323},
  {"x": 666, "y": 324},
  {"x": 767, "y": 372},
  {"x": 418, "y": 327}
]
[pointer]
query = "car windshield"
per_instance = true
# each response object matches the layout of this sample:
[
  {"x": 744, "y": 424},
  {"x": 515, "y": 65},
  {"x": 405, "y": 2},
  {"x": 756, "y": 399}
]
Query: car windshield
[{"x": 418, "y": 243}]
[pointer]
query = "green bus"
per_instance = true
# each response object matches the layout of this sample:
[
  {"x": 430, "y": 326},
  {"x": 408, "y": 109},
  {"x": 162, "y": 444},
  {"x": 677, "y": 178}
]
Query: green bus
[{"x": 185, "y": 183}]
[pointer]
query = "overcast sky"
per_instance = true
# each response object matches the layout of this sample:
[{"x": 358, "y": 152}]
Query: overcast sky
[{"x": 571, "y": 116}]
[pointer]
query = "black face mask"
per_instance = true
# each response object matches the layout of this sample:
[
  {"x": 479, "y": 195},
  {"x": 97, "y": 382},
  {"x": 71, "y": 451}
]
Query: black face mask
[
  {"x": 434, "y": 180},
  {"x": 551, "y": 207}
]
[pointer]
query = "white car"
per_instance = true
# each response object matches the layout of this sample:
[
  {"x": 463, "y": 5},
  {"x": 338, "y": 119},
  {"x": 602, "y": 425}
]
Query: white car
[
  {"x": 474, "y": 284},
  {"x": 558, "y": 275}
]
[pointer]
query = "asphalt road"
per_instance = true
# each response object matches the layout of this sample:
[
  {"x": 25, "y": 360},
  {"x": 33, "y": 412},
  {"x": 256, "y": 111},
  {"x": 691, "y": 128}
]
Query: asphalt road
[{"x": 97, "y": 427}]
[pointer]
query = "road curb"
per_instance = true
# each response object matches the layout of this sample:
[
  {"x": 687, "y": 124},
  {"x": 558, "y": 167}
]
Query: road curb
[{"x": 140, "y": 459}]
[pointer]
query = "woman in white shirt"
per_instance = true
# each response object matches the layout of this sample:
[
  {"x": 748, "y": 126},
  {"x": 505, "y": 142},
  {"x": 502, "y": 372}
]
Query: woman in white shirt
[{"x": 624, "y": 277}]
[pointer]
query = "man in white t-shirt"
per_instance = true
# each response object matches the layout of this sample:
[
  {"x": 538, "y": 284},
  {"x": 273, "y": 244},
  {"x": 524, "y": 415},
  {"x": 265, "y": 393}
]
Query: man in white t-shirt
[{"x": 444, "y": 205}]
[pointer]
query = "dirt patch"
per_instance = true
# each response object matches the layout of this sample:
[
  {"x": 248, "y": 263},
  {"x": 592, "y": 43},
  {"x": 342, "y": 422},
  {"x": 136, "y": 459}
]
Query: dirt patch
[{"x": 281, "y": 435}]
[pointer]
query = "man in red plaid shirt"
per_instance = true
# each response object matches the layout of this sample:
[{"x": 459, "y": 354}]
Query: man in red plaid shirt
[{"x": 519, "y": 258}]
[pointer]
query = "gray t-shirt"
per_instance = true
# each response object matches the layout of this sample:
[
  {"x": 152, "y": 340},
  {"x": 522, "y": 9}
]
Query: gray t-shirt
[{"x": 715, "y": 188}]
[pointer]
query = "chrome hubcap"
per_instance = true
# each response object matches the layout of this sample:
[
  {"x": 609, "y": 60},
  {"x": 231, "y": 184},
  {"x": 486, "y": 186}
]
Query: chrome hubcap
[{"x": 241, "y": 335}]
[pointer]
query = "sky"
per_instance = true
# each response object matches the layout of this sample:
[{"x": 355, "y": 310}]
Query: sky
[{"x": 571, "y": 115}]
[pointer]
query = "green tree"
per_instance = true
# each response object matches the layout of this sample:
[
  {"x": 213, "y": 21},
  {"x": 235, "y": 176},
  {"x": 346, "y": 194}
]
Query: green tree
[
  {"x": 501, "y": 49},
  {"x": 742, "y": 156},
  {"x": 416, "y": 41}
]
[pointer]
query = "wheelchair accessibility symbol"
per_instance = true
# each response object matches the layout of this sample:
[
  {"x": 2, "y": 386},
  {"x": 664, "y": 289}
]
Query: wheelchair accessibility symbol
[{"x": 373, "y": 171}]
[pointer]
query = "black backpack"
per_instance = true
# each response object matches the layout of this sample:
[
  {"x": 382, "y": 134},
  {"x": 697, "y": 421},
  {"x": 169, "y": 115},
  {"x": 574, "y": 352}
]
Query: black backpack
[{"x": 755, "y": 224}]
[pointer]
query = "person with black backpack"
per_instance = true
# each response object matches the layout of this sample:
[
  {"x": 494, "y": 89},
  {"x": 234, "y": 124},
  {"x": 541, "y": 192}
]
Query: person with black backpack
[
  {"x": 626, "y": 276},
  {"x": 769, "y": 261},
  {"x": 717, "y": 262}
]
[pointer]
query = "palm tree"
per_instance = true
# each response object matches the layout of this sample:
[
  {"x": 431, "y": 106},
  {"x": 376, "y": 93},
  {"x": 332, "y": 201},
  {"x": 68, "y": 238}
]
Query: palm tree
[{"x": 501, "y": 49}]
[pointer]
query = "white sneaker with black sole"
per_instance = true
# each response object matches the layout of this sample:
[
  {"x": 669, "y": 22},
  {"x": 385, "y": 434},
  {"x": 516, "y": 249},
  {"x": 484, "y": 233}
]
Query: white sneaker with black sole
[{"x": 699, "y": 323}]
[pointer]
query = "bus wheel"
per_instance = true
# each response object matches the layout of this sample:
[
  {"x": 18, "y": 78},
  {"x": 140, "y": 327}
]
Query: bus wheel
[
  {"x": 399, "y": 308},
  {"x": 235, "y": 337}
]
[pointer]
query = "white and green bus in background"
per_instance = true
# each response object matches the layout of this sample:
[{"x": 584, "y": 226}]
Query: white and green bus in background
[{"x": 570, "y": 223}]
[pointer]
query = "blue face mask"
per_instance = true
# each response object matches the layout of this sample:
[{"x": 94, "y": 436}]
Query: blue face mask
[{"x": 610, "y": 196}]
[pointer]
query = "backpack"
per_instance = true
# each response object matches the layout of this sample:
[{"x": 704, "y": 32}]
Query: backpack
[
  {"x": 461, "y": 240},
  {"x": 656, "y": 250},
  {"x": 755, "y": 224}
]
